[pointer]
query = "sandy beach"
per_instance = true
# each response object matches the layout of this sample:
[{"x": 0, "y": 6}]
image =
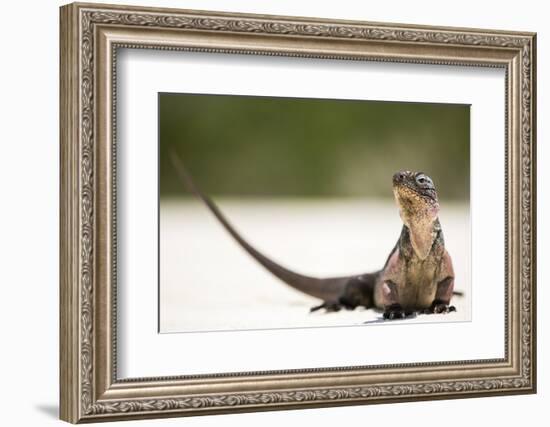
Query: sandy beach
[{"x": 208, "y": 283}]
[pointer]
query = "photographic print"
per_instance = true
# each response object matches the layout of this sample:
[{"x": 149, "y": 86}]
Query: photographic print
[{"x": 301, "y": 212}]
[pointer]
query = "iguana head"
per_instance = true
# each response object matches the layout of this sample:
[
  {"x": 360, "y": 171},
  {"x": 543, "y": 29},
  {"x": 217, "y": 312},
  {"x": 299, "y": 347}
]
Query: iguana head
[
  {"x": 414, "y": 188},
  {"x": 416, "y": 197}
]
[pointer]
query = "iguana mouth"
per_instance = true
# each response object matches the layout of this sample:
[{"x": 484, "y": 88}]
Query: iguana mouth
[{"x": 404, "y": 191}]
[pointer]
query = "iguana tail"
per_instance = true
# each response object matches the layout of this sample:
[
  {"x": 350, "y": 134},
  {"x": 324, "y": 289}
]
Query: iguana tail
[{"x": 326, "y": 289}]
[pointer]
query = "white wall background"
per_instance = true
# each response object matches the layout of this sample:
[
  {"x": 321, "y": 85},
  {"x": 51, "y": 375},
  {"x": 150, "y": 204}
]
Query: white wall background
[{"x": 29, "y": 171}]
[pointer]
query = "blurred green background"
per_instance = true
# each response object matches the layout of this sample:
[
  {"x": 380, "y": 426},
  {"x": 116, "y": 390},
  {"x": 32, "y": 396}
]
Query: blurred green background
[{"x": 251, "y": 146}]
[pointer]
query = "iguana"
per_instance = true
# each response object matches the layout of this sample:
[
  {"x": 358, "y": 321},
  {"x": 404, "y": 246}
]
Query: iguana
[{"x": 417, "y": 276}]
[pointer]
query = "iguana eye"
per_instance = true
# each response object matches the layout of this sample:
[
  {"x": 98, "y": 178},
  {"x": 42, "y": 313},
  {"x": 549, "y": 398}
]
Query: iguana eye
[{"x": 423, "y": 179}]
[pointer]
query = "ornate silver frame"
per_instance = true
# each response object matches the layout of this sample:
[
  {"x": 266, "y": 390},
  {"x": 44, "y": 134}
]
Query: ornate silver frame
[{"x": 90, "y": 35}]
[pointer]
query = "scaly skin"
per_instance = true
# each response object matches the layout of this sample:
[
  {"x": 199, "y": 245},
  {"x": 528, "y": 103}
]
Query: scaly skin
[
  {"x": 417, "y": 276},
  {"x": 419, "y": 273}
]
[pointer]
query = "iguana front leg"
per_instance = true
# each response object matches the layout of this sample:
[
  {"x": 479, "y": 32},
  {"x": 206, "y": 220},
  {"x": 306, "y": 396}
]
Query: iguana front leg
[
  {"x": 442, "y": 298},
  {"x": 445, "y": 288},
  {"x": 392, "y": 307},
  {"x": 386, "y": 293}
]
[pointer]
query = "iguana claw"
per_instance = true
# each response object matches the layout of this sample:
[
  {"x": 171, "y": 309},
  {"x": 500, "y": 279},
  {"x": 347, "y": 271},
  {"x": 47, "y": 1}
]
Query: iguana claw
[
  {"x": 439, "y": 307},
  {"x": 395, "y": 311}
]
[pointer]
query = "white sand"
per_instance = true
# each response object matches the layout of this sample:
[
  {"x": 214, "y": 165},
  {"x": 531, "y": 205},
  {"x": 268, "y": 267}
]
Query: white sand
[{"x": 207, "y": 282}]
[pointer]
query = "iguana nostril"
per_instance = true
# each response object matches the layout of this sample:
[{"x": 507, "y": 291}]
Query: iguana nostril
[{"x": 399, "y": 177}]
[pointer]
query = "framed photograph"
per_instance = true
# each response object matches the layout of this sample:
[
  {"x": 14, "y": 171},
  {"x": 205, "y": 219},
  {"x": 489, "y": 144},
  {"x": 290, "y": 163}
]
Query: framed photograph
[{"x": 265, "y": 212}]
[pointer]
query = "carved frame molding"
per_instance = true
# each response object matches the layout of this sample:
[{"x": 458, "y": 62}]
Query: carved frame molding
[{"x": 90, "y": 36}]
